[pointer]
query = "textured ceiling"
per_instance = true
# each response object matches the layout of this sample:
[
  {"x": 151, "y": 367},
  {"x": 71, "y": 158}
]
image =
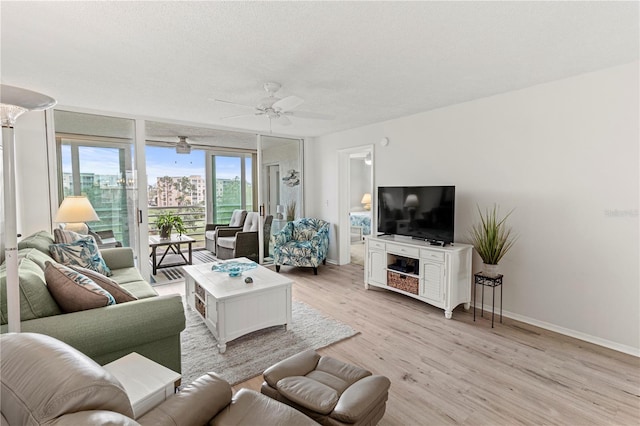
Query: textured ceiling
[{"x": 362, "y": 62}]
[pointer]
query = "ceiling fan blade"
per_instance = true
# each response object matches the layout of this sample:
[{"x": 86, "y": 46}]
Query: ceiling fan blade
[
  {"x": 237, "y": 116},
  {"x": 233, "y": 103},
  {"x": 283, "y": 120},
  {"x": 313, "y": 115},
  {"x": 288, "y": 103}
]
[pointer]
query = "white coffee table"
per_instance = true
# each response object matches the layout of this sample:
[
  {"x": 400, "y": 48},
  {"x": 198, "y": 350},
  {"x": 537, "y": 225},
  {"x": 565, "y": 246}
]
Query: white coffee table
[
  {"x": 146, "y": 382},
  {"x": 232, "y": 308}
]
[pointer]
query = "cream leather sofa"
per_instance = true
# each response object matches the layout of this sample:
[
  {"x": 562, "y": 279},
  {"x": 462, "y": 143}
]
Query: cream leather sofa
[{"x": 47, "y": 382}]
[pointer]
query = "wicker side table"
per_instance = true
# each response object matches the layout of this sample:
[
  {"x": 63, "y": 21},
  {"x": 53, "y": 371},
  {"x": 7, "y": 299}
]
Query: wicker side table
[{"x": 492, "y": 282}]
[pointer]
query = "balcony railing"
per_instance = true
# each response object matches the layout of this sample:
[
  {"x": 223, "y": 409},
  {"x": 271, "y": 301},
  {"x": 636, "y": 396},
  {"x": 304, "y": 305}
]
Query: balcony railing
[{"x": 193, "y": 217}]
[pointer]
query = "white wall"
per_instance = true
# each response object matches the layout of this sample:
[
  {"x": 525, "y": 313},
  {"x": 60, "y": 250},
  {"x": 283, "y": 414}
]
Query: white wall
[{"x": 565, "y": 155}]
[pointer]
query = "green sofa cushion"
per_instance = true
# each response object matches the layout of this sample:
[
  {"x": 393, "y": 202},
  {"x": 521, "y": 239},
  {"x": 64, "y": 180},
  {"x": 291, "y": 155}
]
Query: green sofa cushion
[
  {"x": 40, "y": 240},
  {"x": 35, "y": 299},
  {"x": 140, "y": 289},
  {"x": 35, "y": 255},
  {"x": 125, "y": 275}
]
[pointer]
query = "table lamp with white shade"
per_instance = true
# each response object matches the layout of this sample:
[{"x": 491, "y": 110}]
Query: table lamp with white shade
[
  {"x": 14, "y": 102},
  {"x": 74, "y": 211},
  {"x": 366, "y": 201},
  {"x": 412, "y": 203}
]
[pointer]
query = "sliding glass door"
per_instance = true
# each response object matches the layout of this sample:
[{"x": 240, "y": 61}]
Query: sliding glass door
[
  {"x": 95, "y": 159},
  {"x": 281, "y": 183}
]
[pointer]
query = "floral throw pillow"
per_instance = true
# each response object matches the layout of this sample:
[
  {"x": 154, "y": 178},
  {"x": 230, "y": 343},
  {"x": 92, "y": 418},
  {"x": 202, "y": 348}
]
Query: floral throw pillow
[
  {"x": 74, "y": 291},
  {"x": 83, "y": 252}
]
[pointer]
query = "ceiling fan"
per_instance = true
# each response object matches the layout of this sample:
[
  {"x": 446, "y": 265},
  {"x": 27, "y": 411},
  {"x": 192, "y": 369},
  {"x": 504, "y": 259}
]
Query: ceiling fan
[
  {"x": 183, "y": 147},
  {"x": 276, "y": 109}
]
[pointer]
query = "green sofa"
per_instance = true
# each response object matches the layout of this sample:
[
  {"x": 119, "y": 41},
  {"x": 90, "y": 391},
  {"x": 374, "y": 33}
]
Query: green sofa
[{"x": 150, "y": 326}]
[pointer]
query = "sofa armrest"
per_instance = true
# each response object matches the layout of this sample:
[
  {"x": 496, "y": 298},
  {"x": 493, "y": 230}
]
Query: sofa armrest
[
  {"x": 114, "y": 328},
  {"x": 94, "y": 417},
  {"x": 360, "y": 398},
  {"x": 196, "y": 404},
  {"x": 296, "y": 365},
  {"x": 118, "y": 258}
]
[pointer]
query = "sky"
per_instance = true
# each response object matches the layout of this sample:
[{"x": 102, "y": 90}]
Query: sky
[
  {"x": 160, "y": 162},
  {"x": 165, "y": 162}
]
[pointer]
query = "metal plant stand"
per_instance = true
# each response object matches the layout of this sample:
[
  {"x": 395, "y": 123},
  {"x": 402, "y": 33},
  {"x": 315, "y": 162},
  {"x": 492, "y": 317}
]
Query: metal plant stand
[{"x": 492, "y": 282}]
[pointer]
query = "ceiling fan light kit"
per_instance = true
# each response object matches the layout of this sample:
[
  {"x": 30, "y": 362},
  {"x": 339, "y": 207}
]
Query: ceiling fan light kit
[
  {"x": 277, "y": 109},
  {"x": 183, "y": 147}
]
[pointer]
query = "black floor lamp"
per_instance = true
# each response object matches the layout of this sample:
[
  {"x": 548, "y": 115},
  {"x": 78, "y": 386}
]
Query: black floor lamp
[{"x": 14, "y": 101}]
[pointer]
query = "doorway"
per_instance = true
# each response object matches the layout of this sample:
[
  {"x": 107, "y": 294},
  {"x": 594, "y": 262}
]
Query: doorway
[{"x": 356, "y": 202}]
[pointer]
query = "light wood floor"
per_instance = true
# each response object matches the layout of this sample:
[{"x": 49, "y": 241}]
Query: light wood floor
[{"x": 460, "y": 372}]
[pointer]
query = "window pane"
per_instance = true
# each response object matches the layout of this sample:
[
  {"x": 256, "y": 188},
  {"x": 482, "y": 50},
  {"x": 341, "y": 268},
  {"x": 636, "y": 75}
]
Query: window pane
[
  {"x": 228, "y": 187},
  {"x": 177, "y": 185},
  {"x": 100, "y": 176}
]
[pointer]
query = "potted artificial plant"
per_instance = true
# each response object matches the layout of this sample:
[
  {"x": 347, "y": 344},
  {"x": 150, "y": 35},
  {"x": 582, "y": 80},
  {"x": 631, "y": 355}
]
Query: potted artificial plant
[
  {"x": 291, "y": 211},
  {"x": 168, "y": 221},
  {"x": 492, "y": 239}
]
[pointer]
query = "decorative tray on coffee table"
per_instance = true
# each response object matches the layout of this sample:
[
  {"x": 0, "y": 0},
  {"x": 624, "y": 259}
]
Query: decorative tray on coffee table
[{"x": 234, "y": 268}]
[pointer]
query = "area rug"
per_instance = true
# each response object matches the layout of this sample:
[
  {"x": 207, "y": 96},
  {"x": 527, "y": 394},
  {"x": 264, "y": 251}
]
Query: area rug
[
  {"x": 175, "y": 273},
  {"x": 250, "y": 355}
]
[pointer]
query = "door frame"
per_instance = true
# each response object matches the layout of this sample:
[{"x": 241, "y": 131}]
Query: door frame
[{"x": 344, "y": 174}]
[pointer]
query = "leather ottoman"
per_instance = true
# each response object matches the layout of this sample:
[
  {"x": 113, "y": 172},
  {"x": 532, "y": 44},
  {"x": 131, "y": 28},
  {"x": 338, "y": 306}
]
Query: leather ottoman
[{"x": 328, "y": 390}]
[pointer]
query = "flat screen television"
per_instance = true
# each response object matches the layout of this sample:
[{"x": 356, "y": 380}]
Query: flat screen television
[{"x": 422, "y": 212}]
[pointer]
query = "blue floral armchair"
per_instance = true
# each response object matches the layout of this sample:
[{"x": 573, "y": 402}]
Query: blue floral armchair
[{"x": 303, "y": 242}]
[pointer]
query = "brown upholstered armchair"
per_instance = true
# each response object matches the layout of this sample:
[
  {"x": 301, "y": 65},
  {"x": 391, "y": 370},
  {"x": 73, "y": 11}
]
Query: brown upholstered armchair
[
  {"x": 211, "y": 229},
  {"x": 47, "y": 382},
  {"x": 232, "y": 244}
]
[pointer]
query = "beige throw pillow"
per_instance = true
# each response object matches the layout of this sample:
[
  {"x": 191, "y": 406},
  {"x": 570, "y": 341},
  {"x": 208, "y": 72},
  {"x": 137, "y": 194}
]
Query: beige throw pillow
[{"x": 66, "y": 236}]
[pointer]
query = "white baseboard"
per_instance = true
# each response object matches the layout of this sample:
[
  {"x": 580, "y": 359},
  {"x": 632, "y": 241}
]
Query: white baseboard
[{"x": 566, "y": 331}]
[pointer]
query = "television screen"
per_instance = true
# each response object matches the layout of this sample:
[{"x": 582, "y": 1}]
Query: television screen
[{"x": 422, "y": 212}]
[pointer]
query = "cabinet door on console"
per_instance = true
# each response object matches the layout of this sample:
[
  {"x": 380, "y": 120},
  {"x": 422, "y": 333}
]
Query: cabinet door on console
[
  {"x": 378, "y": 267},
  {"x": 432, "y": 287}
]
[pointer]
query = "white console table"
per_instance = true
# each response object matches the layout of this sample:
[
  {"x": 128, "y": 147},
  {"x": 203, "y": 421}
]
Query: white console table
[{"x": 443, "y": 274}]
